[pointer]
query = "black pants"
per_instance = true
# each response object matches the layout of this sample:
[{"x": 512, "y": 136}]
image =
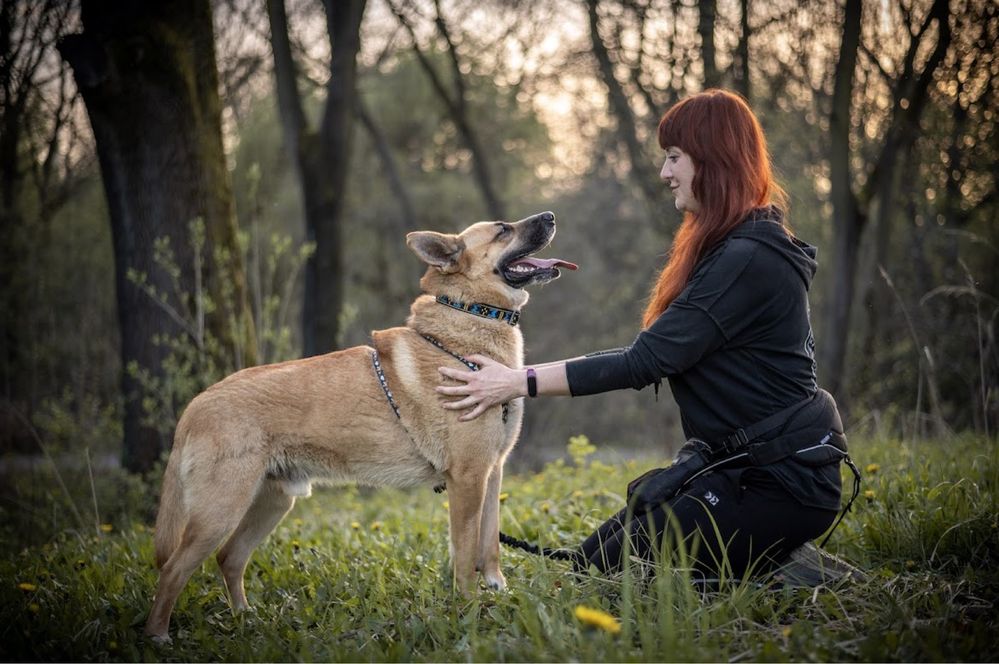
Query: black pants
[{"x": 745, "y": 514}]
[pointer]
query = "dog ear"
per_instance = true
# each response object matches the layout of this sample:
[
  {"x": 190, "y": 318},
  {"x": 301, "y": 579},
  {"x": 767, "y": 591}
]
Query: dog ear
[{"x": 437, "y": 249}]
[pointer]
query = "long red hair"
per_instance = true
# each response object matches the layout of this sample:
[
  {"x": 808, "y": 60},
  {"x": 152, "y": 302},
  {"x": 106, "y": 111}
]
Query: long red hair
[{"x": 732, "y": 175}]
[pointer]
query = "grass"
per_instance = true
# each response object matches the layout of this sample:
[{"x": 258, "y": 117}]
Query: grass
[{"x": 362, "y": 575}]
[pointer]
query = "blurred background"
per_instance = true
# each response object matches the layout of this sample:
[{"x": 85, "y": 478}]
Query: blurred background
[{"x": 190, "y": 187}]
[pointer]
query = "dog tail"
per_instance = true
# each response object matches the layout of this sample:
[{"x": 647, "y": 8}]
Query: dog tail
[{"x": 172, "y": 515}]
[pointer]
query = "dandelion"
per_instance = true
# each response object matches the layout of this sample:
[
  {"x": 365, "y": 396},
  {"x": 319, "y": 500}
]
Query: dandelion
[
  {"x": 106, "y": 527},
  {"x": 577, "y": 494},
  {"x": 34, "y": 608},
  {"x": 295, "y": 544},
  {"x": 546, "y": 507},
  {"x": 910, "y": 565},
  {"x": 447, "y": 505},
  {"x": 355, "y": 525},
  {"x": 869, "y": 494},
  {"x": 297, "y": 521},
  {"x": 376, "y": 525},
  {"x": 872, "y": 468},
  {"x": 786, "y": 632},
  {"x": 27, "y": 587},
  {"x": 597, "y": 618},
  {"x": 503, "y": 496}
]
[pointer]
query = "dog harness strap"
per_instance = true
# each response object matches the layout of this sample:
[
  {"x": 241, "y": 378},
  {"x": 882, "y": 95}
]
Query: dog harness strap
[
  {"x": 471, "y": 365},
  {"x": 384, "y": 383},
  {"x": 507, "y": 316}
]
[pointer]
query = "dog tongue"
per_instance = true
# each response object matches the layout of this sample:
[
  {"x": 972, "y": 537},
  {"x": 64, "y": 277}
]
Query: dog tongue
[{"x": 545, "y": 263}]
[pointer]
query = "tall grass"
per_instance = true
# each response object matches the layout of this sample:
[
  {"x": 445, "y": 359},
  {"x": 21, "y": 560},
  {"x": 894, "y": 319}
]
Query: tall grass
[{"x": 362, "y": 575}]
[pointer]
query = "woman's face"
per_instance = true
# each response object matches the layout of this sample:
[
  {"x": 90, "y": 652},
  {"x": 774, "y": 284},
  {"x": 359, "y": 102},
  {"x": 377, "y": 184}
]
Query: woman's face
[{"x": 678, "y": 175}]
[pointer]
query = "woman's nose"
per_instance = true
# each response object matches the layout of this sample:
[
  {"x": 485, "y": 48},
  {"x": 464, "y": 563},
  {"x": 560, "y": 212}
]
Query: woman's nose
[{"x": 664, "y": 172}]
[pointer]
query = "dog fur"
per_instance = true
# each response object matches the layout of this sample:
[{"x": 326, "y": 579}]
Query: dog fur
[{"x": 246, "y": 447}]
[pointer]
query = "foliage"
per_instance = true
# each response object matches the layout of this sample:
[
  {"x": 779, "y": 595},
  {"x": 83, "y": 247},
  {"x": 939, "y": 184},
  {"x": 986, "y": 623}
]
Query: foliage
[
  {"x": 196, "y": 358},
  {"x": 362, "y": 576}
]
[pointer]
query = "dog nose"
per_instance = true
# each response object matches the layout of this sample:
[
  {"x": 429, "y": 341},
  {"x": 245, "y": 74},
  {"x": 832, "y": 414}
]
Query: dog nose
[{"x": 547, "y": 216}]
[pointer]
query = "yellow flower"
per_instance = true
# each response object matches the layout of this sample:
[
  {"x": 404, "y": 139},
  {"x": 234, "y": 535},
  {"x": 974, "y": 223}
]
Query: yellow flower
[
  {"x": 577, "y": 494},
  {"x": 295, "y": 544},
  {"x": 27, "y": 587},
  {"x": 546, "y": 507},
  {"x": 869, "y": 494},
  {"x": 376, "y": 525},
  {"x": 910, "y": 564},
  {"x": 298, "y": 522},
  {"x": 34, "y": 608},
  {"x": 503, "y": 496},
  {"x": 597, "y": 618},
  {"x": 786, "y": 632},
  {"x": 872, "y": 468},
  {"x": 355, "y": 525},
  {"x": 106, "y": 527},
  {"x": 447, "y": 505}
]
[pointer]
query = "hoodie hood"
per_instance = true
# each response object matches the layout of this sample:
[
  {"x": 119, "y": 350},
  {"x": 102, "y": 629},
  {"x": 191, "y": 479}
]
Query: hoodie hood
[{"x": 764, "y": 225}]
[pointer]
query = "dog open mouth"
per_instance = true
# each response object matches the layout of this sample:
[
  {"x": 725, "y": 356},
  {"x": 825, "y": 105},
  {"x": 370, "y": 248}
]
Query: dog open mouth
[{"x": 525, "y": 270}]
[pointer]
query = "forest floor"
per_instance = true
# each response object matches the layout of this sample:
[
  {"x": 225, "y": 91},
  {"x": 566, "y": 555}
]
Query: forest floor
[{"x": 362, "y": 575}]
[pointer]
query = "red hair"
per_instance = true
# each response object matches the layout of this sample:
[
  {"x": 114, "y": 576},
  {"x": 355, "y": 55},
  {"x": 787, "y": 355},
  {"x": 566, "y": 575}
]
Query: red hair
[{"x": 732, "y": 175}]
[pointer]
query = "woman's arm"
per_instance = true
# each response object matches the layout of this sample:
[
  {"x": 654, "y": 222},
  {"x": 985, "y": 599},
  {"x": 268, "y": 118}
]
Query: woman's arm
[{"x": 495, "y": 383}]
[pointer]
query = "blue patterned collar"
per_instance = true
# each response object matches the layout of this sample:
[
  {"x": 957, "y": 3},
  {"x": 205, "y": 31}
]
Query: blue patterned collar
[{"x": 508, "y": 316}]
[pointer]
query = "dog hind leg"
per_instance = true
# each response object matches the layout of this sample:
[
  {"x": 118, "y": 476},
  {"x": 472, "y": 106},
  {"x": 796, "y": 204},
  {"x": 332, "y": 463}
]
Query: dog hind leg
[
  {"x": 212, "y": 516},
  {"x": 269, "y": 507}
]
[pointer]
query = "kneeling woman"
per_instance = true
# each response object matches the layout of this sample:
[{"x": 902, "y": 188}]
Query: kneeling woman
[{"x": 727, "y": 324}]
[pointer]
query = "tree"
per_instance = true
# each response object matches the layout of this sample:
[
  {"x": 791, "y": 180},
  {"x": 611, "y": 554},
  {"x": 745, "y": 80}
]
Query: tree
[
  {"x": 852, "y": 208},
  {"x": 43, "y": 165},
  {"x": 148, "y": 79},
  {"x": 457, "y": 107},
  {"x": 322, "y": 159}
]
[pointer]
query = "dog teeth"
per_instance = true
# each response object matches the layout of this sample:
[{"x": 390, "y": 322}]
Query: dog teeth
[{"x": 520, "y": 268}]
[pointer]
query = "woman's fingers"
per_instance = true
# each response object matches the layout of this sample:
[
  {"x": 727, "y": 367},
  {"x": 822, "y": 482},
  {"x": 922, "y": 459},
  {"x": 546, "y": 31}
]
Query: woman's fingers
[
  {"x": 467, "y": 402},
  {"x": 457, "y": 374},
  {"x": 453, "y": 390},
  {"x": 475, "y": 412}
]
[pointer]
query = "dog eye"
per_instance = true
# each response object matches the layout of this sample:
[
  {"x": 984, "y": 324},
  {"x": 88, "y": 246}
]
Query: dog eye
[{"x": 504, "y": 230}]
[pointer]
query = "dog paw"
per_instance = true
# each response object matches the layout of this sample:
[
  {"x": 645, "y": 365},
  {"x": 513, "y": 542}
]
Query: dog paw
[{"x": 495, "y": 580}]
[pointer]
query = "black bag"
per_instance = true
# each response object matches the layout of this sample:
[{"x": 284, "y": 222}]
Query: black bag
[{"x": 661, "y": 484}]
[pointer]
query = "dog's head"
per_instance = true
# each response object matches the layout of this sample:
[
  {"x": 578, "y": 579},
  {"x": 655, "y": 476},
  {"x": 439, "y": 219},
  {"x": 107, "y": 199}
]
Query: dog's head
[{"x": 489, "y": 261}]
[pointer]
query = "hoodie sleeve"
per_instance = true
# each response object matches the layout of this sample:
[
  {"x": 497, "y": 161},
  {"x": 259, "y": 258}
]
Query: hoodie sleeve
[{"x": 689, "y": 329}]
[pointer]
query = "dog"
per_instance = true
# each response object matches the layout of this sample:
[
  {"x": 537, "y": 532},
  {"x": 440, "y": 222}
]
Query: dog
[{"x": 246, "y": 447}]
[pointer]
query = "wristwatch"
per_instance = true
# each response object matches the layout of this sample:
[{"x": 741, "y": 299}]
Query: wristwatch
[{"x": 532, "y": 382}]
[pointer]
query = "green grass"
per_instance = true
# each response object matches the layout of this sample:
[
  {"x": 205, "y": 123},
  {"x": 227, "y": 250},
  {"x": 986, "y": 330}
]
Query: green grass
[{"x": 356, "y": 575}]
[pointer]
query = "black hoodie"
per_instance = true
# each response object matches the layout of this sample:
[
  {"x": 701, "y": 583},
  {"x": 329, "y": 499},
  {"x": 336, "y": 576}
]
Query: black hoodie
[{"x": 736, "y": 345}]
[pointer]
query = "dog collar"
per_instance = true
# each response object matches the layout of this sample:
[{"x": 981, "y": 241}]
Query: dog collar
[{"x": 508, "y": 316}]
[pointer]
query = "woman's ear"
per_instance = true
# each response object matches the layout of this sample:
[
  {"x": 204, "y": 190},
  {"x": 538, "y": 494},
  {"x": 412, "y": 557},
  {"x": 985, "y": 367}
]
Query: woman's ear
[{"x": 437, "y": 249}]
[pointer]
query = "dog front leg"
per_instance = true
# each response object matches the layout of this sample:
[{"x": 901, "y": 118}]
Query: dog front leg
[
  {"x": 488, "y": 561},
  {"x": 466, "y": 492}
]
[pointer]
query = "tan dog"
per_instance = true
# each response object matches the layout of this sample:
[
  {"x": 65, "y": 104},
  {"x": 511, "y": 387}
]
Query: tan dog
[{"x": 246, "y": 447}]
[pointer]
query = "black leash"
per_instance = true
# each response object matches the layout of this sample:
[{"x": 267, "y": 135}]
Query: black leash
[{"x": 556, "y": 554}]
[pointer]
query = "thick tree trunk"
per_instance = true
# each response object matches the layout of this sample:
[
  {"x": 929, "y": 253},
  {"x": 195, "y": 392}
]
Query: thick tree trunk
[
  {"x": 147, "y": 75},
  {"x": 322, "y": 160}
]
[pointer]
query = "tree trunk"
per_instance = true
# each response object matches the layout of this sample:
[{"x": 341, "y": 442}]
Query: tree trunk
[
  {"x": 644, "y": 172},
  {"x": 847, "y": 218},
  {"x": 850, "y": 212},
  {"x": 457, "y": 108},
  {"x": 322, "y": 160},
  {"x": 742, "y": 84},
  {"x": 707, "y": 11},
  {"x": 147, "y": 75}
]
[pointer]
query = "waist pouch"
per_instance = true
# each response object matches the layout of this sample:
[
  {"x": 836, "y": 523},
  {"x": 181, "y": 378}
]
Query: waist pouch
[{"x": 810, "y": 433}]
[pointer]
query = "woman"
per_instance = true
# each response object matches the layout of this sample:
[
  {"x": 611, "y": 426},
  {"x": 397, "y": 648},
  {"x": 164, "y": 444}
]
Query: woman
[{"x": 727, "y": 324}]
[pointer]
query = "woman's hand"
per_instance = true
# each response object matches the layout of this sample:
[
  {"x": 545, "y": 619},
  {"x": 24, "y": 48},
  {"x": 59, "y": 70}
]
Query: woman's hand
[{"x": 494, "y": 383}]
